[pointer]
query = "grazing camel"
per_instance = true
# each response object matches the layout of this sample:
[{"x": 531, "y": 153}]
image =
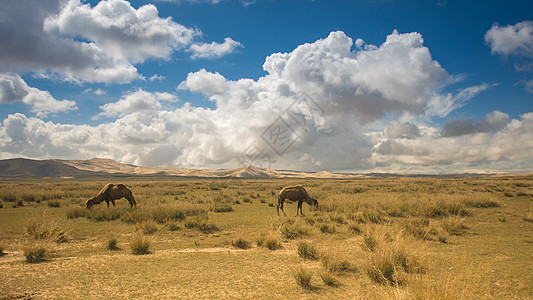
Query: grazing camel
[
  {"x": 295, "y": 193},
  {"x": 112, "y": 192}
]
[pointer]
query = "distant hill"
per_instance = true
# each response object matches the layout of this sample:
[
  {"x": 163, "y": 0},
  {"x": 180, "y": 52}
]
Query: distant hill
[{"x": 28, "y": 168}]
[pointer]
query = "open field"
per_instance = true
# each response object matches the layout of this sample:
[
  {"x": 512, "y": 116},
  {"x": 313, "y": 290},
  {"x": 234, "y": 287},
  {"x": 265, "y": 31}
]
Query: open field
[{"x": 396, "y": 238}]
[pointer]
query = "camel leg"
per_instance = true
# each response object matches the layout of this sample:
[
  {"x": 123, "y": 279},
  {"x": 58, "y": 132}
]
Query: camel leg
[
  {"x": 112, "y": 201},
  {"x": 132, "y": 202},
  {"x": 280, "y": 204},
  {"x": 299, "y": 208}
]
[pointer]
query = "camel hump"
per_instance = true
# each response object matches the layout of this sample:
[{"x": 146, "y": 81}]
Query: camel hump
[
  {"x": 106, "y": 188},
  {"x": 294, "y": 188}
]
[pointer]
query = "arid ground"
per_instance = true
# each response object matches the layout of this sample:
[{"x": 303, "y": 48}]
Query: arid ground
[{"x": 383, "y": 238}]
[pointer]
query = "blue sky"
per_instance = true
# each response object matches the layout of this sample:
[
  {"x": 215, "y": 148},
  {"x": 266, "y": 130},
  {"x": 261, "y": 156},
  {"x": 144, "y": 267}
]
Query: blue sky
[{"x": 383, "y": 85}]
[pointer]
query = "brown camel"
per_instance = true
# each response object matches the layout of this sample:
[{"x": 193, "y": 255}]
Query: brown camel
[
  {"x": 112, "y": 192},
  {"x": 295, "y": 193}
]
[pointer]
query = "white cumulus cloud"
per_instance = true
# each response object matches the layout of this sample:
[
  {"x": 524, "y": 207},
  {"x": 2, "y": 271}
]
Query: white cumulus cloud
[
  {"x": 14, "y": 89},
  {"x": 326, "y": 104},
  {"x": 213, "y": 49},
  {"x": 78, "y": 42}
]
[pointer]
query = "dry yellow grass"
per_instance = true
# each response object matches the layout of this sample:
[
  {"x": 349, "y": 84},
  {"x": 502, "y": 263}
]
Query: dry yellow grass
[{"x": 195, "y": 248}]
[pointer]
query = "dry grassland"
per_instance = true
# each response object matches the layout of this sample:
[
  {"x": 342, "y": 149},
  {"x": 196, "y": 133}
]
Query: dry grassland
[{"x": 398, "y": 238}]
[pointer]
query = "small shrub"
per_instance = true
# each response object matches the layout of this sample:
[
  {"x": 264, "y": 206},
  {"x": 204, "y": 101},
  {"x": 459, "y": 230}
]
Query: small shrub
[
  {"x": 2, "y": 248},
  {"x": 202, "y": 225},
  {"x": 54, "y": 204},
  {"x": 28, "y": 198},
  {"x": 528, "y": 217},
  {"x": 335, "y": 263},
  {"x": 417, "y": 227},
  {"x": 241, "y": 243},
  {"x": 327, "y": 228},
  {"x": 173, "y": 227},
  {"x": 373, "y": 216},
  {"x": 303, "y": 278},
  {"x": 381, "y": 269},
  {"x": 223, "y": 208},
  {"x": 76, "y": 212},
  {"x": 307, "y": 251},
  {"x": 40, "y": 231},
  {"x": 355, "y": 228},
  {"x": 112, "y": 243},
  {"x": 390, "y": 260},
  {"x": 140, "y": 245},
  {"x": 454, "y": 226},
  {"x": 208, "y": 228},
  {"x": 20, "y": 203},
  {"x": 268, "y": 240},
  {"x": 482, "y": 203},
  {"x": 329, "y": 279},
  {"x": 35, "y": 254},
  {"x": 370, "y": 242},
  {"x": 271, "y": 243},
  {"x": 340, "y": 219},
  {"x": 9, "y": 198},
  {"x": 293, "y": 230},
  {"x": 1, "y": 205},
  {"x": 147, "y": 227}
]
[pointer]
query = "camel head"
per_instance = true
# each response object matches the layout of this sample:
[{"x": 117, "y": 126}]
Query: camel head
[
  {"x": 312, "y": 201},
  {"x": 90, "y": 203}
]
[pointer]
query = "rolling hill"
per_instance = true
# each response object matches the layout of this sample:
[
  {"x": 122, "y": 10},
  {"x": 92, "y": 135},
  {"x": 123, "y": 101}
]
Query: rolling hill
[{"x": 28, "y": 168}]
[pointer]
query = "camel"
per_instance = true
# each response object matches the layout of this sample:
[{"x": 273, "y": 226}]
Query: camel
[
  {"x": 295, "y": 193},
  {"x": 112, "y": 192}
]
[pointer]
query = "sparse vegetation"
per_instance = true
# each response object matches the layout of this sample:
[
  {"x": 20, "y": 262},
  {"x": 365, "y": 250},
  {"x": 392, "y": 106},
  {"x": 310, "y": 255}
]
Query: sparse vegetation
[
  {"x": 391, "y": 258},
  {"x": 386, "y": 238}
]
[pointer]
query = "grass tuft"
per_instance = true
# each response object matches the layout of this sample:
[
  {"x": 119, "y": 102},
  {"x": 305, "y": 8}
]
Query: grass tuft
[
  {"x": 241, "y": 243},
  {"x": 147, "y": 227},
  {"x": 35, "y": 254},
  {"x": 391, "y": 259},
  {"x": 54, "y": 204},
  {"x": 223, "y": 208},
  {"x": 303, "y": 278},
  {"x": 140, "y": 246},
  {"x": 293, "y": 230},
  {"x": 112, "y": 243},
  {"x": 329, "y": 279},
  {"x": 38, "y": 230},
  {"x": 307, "y": 251},
  {"x": 335, "y": 263},
  {"x": 328, "y": 228},
  {"x": 482, "y": 203}
]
